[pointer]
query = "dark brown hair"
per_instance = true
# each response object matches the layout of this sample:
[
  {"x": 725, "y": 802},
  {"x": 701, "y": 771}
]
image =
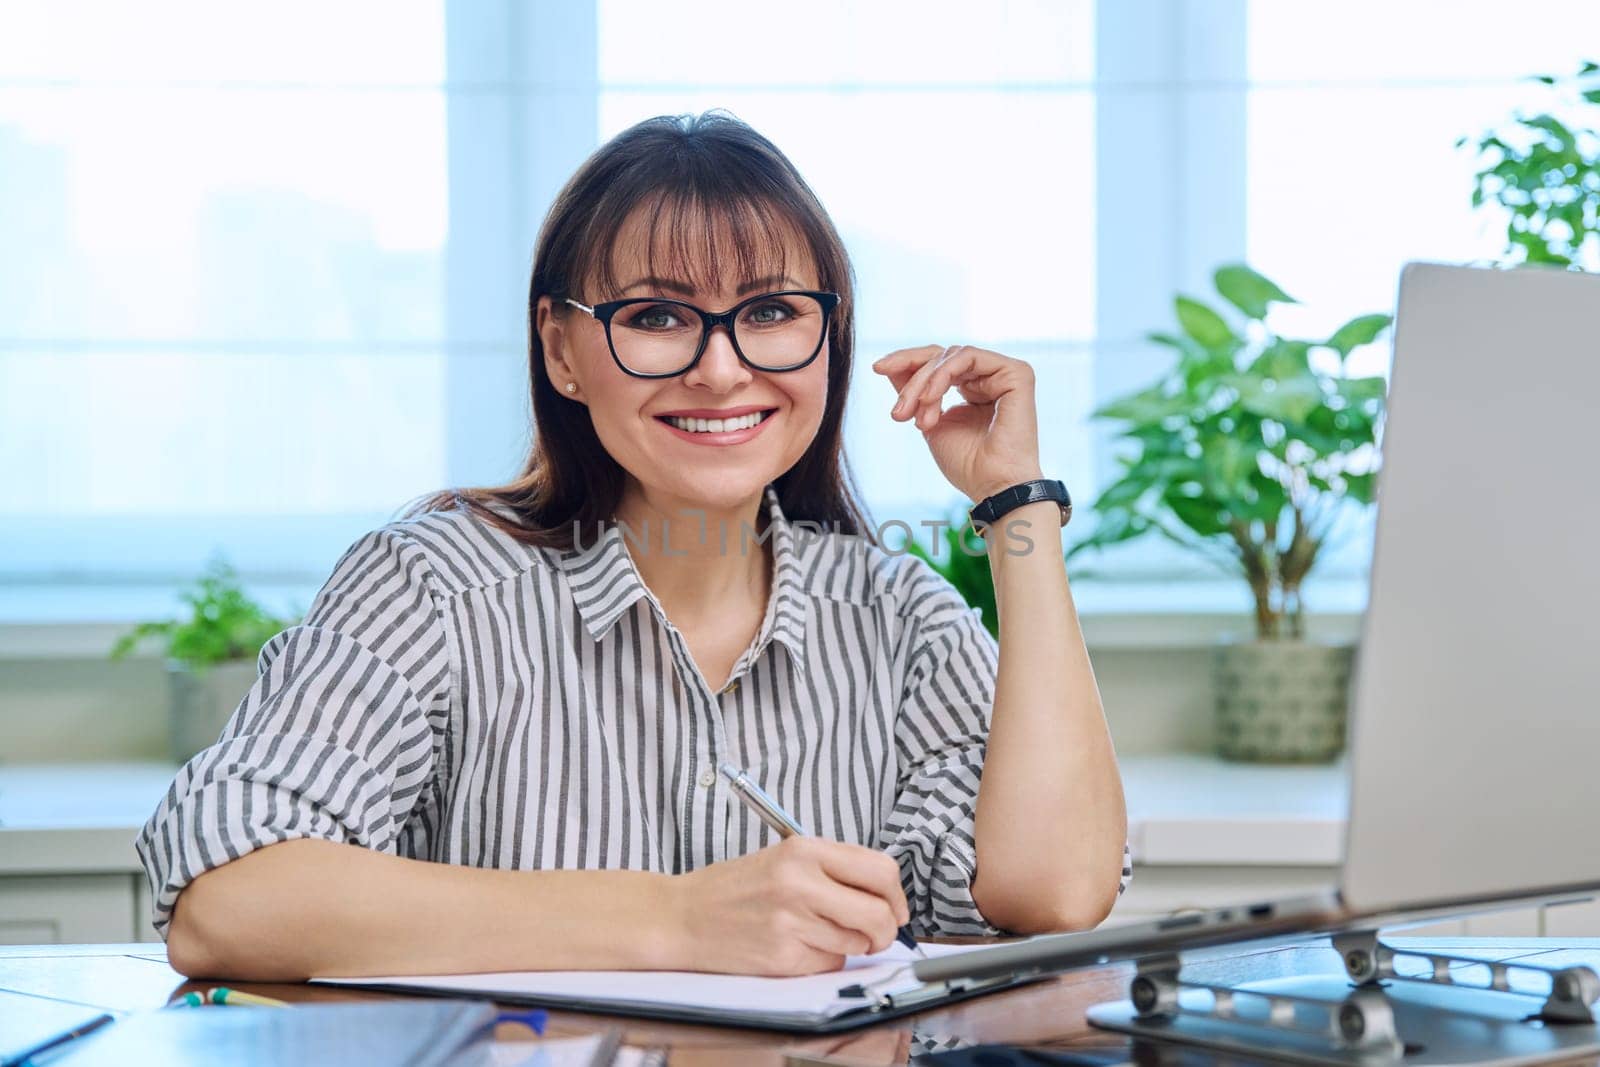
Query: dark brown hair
[{"x": 708, "y": 182}]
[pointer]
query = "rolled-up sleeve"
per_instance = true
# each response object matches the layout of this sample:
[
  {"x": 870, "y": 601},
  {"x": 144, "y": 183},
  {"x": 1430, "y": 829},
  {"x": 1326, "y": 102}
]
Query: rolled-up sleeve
[
  {"x": 941, "y": 733},
  {"x": 335, "y": 738}
]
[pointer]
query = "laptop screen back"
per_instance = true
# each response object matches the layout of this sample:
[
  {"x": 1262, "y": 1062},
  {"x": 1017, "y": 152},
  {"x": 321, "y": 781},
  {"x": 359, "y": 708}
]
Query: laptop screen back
[{"x": 1476, "y": 734}]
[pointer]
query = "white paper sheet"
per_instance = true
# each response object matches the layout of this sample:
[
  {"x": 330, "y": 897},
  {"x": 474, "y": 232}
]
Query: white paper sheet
[{"x": 809, "y": 996}]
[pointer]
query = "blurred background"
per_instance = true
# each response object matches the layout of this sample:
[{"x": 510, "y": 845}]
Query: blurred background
[{"x": 263, "y": 270}]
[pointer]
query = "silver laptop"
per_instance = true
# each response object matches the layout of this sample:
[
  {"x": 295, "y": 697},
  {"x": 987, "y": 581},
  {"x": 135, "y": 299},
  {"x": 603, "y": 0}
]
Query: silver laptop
[{"x": 1475, "y": 718}]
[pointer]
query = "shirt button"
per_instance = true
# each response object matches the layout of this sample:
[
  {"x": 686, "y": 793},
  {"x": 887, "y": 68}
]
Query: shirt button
[
  {"x": 708, "y": 778},
  {"x": 730, "y": 687}
]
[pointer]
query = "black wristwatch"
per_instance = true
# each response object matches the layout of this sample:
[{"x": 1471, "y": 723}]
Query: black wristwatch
[{"x": 989, "y": 510}]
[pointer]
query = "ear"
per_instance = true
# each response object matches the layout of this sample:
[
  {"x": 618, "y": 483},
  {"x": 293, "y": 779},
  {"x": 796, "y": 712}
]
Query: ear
[{"x": 558, "y": 362}]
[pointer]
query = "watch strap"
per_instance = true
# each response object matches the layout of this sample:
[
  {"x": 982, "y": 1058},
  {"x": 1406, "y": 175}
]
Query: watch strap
[{"x": 990, "y": 509}]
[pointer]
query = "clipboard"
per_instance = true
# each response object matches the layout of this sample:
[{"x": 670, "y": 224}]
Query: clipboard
[{"x": 867, "y": 991}]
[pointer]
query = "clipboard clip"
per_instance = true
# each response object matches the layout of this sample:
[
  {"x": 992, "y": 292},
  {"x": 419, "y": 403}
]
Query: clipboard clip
[
  {"x": 870, "y": 990},
  {"x": 881, "y": 998}
]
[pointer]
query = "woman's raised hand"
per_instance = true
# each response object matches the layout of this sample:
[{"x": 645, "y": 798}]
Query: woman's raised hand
[
  {"x": 797, "y": 907},
  {"x": 984, "y": 445}
]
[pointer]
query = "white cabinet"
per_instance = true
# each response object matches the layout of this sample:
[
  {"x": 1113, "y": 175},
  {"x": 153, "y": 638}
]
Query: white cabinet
[
  {"x": 66, "y": 909},
  {"x": 68, "y": 871}
]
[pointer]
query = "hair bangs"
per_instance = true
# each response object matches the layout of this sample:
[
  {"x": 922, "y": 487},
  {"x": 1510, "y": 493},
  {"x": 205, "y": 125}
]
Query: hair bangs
[{"x": 705, "y": 241}]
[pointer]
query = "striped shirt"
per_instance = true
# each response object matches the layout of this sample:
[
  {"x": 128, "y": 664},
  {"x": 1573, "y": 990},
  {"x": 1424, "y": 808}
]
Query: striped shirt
[{"x": 458, "y": 696}]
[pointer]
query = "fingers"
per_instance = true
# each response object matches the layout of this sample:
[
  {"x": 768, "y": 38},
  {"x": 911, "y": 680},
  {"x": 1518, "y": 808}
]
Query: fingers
[
  {"x": 867, "y": 916},
  {"x": 838, "y": 939},
  {"x": 913, "y": 400},
  {"x": 855, "y": 887},
  {"x": 922, "y": 376},
  {"x": 925, "y": 399},
  {"x": 900, "y": 365},
  {"x": 908, "y": 358},
  {"x": 868, "y": 871}
]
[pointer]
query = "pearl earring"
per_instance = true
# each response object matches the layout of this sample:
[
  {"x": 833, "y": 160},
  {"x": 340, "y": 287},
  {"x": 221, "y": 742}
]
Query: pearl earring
[{"x": 572, "y": 387}]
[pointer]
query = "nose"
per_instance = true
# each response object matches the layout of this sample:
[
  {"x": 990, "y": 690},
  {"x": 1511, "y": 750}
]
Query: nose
[{"x": 719, "y": 369}]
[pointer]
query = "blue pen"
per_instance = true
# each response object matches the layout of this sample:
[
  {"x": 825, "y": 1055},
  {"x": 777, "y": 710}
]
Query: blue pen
[
  {"x": 533, "y": 1018},
  {"x": 767, "y": 810},
  {"x": 52, "y": 1049}
]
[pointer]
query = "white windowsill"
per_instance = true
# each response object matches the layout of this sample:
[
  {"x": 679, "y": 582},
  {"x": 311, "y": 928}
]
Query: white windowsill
[{"x": 82, "y": 621}]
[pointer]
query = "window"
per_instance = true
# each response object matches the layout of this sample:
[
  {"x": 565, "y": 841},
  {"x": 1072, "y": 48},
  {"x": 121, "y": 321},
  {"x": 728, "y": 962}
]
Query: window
[
  {"x": 220, "y": 307},
  {"x": 955, "y": 152},
  {"x": 263, "y": 285},
  {"x": 1354, "y": 110}
]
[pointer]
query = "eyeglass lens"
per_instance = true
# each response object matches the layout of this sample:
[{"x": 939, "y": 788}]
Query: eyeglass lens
[{"x": 774, "y": 333}]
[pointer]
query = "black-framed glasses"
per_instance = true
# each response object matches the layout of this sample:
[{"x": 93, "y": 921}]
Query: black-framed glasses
[{"x": 654, "y": 337}]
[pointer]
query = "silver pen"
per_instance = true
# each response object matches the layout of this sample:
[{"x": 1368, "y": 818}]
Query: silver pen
[{"x": 767, "y": 810}]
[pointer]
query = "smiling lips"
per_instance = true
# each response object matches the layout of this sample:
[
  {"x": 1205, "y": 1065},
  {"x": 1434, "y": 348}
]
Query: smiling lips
[{"x": 702, "y": 426}]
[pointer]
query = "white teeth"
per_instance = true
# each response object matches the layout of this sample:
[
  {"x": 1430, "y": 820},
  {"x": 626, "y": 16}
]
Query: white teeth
[{"x": 741, "y": 422}]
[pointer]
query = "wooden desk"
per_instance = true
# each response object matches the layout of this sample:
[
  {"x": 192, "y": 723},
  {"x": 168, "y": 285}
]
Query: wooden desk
[{"x": 126, "y": 978}]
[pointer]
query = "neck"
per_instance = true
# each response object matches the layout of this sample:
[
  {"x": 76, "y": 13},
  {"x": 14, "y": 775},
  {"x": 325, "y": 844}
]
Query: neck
[{"x": 696, "y": 559}]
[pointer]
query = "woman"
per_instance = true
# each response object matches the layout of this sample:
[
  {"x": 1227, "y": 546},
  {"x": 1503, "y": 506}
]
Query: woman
[{"x": 516, "y": 699}]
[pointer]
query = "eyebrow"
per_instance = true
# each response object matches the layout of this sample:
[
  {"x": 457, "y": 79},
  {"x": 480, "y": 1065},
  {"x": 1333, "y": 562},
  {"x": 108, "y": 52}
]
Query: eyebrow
[{"x": 753, "y": 286}]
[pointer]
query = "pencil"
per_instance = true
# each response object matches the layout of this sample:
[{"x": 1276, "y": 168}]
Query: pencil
[{"x": 223, "y": 995}]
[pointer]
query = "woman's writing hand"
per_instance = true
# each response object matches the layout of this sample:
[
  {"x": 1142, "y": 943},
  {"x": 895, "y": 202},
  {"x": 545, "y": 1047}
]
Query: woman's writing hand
[
  {"x": 984, "y": 445},
  {"x": 797, "y": 907}
]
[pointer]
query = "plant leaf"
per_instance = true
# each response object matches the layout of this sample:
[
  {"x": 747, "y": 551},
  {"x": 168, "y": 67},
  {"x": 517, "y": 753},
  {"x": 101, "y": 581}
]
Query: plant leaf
[
  {"x": 1361, "y": 330},
  {"x": 1110, "y": 528},
  {"x": 1124, "y": 492},
  {"x": 1288, "y": 400},
  {"x": 1283, "y": 359},
  {"x": 1551, "y": 125},
  {"x": 1185, "y": 345},
  {"x": 1361, "y": 391},
  {"x": 1147, "y": 406},
  {"x": 1204, "y": 325},
  {"x": 1203, "y": 514},
  {"x": 1361, "y": 487},
  {"x": 1265, "y": 500},
  {"x": 223, "y": 623},
  {"x": 1249, "y": 291}
]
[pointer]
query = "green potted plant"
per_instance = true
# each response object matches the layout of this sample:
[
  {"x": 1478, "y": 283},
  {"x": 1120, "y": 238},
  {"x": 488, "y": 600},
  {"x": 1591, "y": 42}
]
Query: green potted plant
[
  {"x": 1543, "y": 175},
  {"x": 1245, "y": 453},
  {"x": 210, "y": 653}
]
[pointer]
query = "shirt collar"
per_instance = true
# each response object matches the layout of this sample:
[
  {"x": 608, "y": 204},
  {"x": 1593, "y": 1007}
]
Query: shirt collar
[{"x": 605, "y": 583}]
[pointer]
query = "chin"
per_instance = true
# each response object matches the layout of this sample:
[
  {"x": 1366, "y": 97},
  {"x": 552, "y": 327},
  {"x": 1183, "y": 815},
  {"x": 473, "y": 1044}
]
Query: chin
[{"x": 717, "y": 490}]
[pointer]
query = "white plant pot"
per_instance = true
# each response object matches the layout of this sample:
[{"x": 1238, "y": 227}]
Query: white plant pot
[
  {"x": 201, "y": 704},
  {"x": 1281, "y": 701}
]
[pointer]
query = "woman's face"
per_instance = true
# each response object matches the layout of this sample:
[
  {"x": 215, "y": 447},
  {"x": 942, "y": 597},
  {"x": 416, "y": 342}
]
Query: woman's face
[{"x": 676, "y": 466}]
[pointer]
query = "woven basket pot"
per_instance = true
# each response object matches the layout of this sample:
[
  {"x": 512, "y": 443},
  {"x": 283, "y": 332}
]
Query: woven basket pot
[
  {"x": 202, "y": 703},
  {"x": 1281, "y": 701}
]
